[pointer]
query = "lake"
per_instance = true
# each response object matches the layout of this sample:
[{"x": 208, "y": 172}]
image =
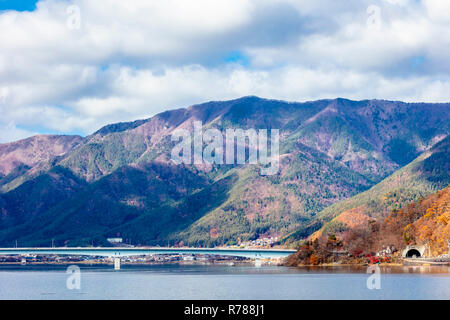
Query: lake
[{"x": 222, "y": 282}]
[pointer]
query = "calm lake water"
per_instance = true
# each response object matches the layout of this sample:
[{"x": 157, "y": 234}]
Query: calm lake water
[{"x": 223, "y": 282}]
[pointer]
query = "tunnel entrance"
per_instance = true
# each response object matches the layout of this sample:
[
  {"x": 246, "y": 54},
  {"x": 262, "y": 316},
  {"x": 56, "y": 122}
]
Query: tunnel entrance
[{"x": 413, "y": 253}]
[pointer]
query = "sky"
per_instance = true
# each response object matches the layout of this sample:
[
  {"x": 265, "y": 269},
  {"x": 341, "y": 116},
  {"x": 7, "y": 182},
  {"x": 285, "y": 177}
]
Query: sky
[{"x": 72, "y": 66}]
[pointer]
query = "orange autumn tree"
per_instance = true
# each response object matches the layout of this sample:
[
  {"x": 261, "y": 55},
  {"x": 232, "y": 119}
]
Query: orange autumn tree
[
  {"x": 425, "y": 222},
  {"x": 434, "y": 226}
]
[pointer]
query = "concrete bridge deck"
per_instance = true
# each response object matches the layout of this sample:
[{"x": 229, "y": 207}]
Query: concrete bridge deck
[{"x": 118, "y": 252}]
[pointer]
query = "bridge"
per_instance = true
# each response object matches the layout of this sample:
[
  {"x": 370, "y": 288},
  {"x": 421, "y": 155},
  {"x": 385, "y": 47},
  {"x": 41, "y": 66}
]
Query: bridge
[{"x": 121, "y": 252}]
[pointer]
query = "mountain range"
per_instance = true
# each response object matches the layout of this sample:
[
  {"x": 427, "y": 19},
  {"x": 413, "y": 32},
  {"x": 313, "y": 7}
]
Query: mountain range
[{"x": 338, "y": 157}]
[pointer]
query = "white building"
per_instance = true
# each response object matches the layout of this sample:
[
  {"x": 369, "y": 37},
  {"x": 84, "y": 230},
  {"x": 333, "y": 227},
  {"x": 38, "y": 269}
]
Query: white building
[{"x": 114, "y": 240}]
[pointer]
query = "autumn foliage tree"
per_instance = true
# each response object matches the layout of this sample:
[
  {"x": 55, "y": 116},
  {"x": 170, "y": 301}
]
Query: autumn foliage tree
[{"x": 425, "y": 222}]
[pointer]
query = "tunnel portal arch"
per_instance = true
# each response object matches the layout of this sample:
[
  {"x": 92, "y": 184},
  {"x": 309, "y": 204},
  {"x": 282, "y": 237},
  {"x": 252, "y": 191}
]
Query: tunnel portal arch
[{"x": 413, "y": 253}]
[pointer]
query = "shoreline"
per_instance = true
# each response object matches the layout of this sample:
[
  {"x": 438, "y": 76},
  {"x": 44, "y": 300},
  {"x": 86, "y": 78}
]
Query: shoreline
[
  {"x": 111, "y": 264},
  {"x": 406, "y": 263},
  {"x": 229, "y": 263}
]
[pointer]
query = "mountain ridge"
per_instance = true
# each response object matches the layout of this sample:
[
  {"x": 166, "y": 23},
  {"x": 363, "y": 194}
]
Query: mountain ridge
[{"x": 326, "y": 156}]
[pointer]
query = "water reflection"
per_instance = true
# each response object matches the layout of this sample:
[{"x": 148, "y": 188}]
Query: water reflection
[
  {"x": 387, "y": 269},
  {"x": 237, "y": 269},
  {"x": 225, "y": 282}
]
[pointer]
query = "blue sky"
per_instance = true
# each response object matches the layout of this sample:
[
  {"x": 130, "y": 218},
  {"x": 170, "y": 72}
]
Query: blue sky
[
  {"x": 238, "y": 58},
  {"x": 18, "y": 5},
  {"x": 72, "y": 66}
]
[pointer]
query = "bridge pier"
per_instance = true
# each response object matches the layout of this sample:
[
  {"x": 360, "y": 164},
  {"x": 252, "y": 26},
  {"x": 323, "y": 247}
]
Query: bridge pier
[{"x": 116, "y": 263}]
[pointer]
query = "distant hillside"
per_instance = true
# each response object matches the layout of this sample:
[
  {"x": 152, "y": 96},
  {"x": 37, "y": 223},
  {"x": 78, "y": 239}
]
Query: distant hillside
[
  {"x": 425, "y": 222},
  {"x": 426, "y": 174},
  {"x": 120, "y": 180},
  {"x": 21, "y": 157}
]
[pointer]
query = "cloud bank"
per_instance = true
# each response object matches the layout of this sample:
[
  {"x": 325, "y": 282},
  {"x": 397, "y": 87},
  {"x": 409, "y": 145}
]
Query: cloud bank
[{"x": 73, "y": 66}]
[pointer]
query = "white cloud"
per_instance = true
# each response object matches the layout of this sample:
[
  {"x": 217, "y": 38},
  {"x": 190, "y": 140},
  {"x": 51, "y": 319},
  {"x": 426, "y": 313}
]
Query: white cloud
[
  {"x": 438, "y": 10},
  {"x": 132, "y": 59}
]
